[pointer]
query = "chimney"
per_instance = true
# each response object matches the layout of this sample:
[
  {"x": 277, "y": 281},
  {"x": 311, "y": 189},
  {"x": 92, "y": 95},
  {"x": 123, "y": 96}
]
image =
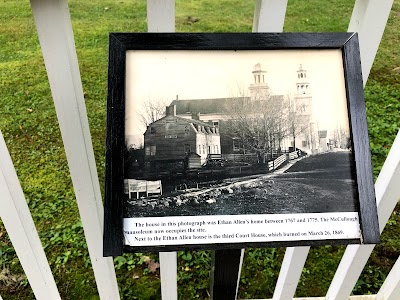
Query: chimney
[
  {"x": 170, "y": 111},
  {"x": 196, "y": 116},
  {"x": 177, "y": 98}
]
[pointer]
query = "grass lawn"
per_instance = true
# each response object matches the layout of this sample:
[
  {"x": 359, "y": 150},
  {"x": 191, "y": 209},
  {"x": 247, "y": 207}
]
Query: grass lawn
[{"x": 29, "y": 125}]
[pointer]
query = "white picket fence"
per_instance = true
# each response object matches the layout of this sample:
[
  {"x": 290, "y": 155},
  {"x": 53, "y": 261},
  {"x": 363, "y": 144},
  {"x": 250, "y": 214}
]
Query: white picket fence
[
  {"x": 274, "y": 164},
  {"x": 57, "y": 42}
]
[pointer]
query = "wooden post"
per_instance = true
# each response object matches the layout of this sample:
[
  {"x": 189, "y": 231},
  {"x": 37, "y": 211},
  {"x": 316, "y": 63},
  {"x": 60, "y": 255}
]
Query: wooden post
[
  {"x": 390, "y": 290},
  {"x": 21, "y": 229},
  {"x": 168, "y": 263},
  {"x": 161, "y": 18},
  {"x": 227, "y": 265},
  {"x": 269, "y": 15},
  {"x": 160, "y": 15},
  {"x": 369, "y": 19},
  {"x": 56, "y": 38},
  {"x": 291, "y": 269}
]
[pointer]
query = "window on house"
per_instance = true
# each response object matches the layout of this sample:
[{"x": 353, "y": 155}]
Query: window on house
[
  {"x": 152, "y": 130},
  {"x": 153, "y": 150},
  {"x": 147, "y": 151},
  {"x": 187, "y": 128},
  {"x": 304, "y": 143},
  {"x": 186, "y": 148},
  {"x": 236, "y": 144}
]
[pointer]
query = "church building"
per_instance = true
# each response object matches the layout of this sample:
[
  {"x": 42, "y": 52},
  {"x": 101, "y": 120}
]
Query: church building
[{"x": 216, "y": 112}]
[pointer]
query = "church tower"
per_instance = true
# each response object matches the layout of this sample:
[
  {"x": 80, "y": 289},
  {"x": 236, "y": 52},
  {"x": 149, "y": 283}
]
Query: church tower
[
  {"x": 259, "y": 88},
  {"x": 303, "y": 92},
  {"x": 303, "y": 102}
]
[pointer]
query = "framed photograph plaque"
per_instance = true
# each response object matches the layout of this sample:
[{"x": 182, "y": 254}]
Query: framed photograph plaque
[{"x": 218, "y": 141}]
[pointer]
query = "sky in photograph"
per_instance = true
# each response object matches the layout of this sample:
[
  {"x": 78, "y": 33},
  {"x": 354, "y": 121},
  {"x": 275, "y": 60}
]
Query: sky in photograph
[{"x": 162, "y": 75}]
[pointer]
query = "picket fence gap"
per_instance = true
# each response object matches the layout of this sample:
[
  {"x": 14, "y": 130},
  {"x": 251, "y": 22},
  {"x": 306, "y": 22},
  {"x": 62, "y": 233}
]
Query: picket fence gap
[{"x": 56, "y": 38}]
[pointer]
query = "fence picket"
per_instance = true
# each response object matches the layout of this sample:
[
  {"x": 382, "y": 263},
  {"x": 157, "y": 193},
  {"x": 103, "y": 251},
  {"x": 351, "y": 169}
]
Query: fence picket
[
  {"x": 369, "y": 20},
  {"x": 21, "y": 229},
  {"x": 292, "y": 266},
  {"x": 56, "y": 38},
  {"x": 390, "y": 290},
  {"x": 269, "y": 15},
  {"x": 160, "y": 15},
  {"x": 387, "y": 190},
  {"x": 161, "y": 18},
  {"x": 168, "y": 275}
]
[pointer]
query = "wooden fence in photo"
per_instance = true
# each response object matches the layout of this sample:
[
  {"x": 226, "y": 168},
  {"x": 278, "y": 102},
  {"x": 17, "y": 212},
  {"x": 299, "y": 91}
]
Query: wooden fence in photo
[
  {"x": 56, "y": 38},
  {"x": 274, "y": 164}
]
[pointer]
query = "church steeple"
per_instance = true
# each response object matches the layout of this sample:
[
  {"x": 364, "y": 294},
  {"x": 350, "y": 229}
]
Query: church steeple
[
  {"x": 306, "y": 140},
  {"x": 259, "y": 88},
  {"x": 303, "y": 86}
]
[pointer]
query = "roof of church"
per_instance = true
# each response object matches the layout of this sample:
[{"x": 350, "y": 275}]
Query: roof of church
[
  {"x": 203, "y": 106},
  {"x": 185, "y": 120},
  {"x": 207, "y": 106}
]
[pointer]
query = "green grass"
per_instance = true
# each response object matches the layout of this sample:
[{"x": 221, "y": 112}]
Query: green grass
[{"x": 29, "y": 124}]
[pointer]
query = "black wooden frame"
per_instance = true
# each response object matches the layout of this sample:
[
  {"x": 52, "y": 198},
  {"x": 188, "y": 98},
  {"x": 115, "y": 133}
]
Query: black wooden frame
[{"x": 119, "y": 43}]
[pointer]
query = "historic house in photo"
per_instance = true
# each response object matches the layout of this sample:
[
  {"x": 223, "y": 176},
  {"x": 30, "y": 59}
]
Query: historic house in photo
[{"x": 173, "y": 138}]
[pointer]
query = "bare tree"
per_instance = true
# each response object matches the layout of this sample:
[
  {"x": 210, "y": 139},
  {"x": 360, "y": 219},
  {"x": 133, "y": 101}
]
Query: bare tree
[
  {"x": 152, "y": 110},
  {"x": 298, "y": 120},
  {"x": 257, "y": 122},
  {"x": 341, "y": 138}
]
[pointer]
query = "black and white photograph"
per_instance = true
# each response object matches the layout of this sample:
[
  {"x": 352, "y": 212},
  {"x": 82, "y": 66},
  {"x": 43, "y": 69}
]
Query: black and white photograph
[
  {"x": 237, "y": 133},
  {"x": 223, "y": 141}
]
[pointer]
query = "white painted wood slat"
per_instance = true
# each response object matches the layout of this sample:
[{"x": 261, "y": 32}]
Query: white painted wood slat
[
  {"x": 240, "y": 271},
  {"x": 21, "y": 229},
  {"x": 387, "y": 188},
  {"x": 160, "y": 15},
  {"x": 390, "y": 290},
  {"x": 57, "y": 42},
  {"x": 168, "y": 275},
  {"x": 269, "y": 15},
  {"x": 161, "y": 18},
  {"x": 369, "y": 19},
  {"x": 291, "y": 269}
]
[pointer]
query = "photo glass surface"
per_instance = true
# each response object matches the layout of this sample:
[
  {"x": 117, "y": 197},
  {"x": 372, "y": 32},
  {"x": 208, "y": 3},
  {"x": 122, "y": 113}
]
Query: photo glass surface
[{"x": 237, "y": 147}]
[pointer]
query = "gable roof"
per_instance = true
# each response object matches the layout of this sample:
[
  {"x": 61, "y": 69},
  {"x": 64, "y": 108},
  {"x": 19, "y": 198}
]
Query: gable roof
[{"x": 185, "y": 120}]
